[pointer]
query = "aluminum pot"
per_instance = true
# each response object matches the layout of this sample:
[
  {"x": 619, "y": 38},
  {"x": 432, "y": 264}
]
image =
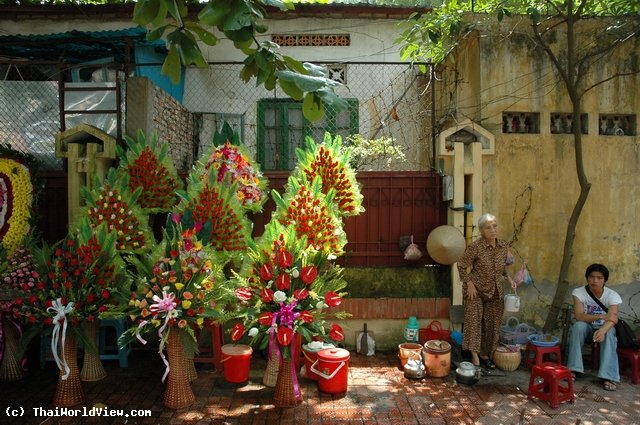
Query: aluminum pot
[{"x": 467, "y": 373}]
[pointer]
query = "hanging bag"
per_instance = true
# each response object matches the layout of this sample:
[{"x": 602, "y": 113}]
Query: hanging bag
[
  {"x": 412, "y": 253},
  {"x": 626, "y": 337}
]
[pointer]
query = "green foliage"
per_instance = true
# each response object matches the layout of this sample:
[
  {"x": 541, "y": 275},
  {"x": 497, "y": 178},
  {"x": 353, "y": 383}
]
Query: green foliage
[
  {"x": 367, "y": 151},
  {"x": 430, "y": 37},
  {"x": 238, "y": 20}
]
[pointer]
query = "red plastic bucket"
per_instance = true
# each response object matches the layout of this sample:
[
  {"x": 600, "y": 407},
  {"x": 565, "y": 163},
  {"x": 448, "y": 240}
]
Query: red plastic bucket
[
  {"x": 332, "y": 368},
  {"x": 310, "y": 352},
  {"x": 236, "y": 359}
]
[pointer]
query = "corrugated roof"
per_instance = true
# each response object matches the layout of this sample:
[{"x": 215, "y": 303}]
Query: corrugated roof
[{"x": 75, "y": 46}]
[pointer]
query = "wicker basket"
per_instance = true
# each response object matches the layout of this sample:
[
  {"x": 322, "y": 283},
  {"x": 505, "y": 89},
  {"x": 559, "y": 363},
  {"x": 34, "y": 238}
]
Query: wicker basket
[
  {"x": 178, "y": 393},
  {"x": 271, "y": 372},
  {"x": 92, "y": 369},
  {"x": 285, "y": 393},
  {"x": 69, "y": 391},
  {"x": 10, "y": 368},
  {"x": 507, "y": 360}
]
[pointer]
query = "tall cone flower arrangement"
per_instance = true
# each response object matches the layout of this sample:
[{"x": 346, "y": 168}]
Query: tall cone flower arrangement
[
  {"x": 115, "y": 205},
  {"x": 147, "y": 164},
  {"x": 330, "y": 161},
  {"x": 234, "y": 162},
  {"x": 215, "y": 203},
  {"x": 312, "y": 213}
]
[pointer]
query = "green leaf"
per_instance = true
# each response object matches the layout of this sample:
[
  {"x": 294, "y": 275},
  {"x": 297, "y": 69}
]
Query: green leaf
[
  {"x": 207, "y": 37},
  {"x": 312, "y": 107},
  {"x": 329, "y": 97},
  {"x": 243, "y": 34},
  {"x": 173, "y": 9},
  {"x": 239, "y": 18},
  {"x": 171, "y": 66},
  {"x": 145, "y": 11},
  {"x": 161, "y": 16},
  {"x": 214, "y": 13},
  {"x": 306, "y": 83},
  {"x": 248, "y": 71},
  {"x": 315, "y": 70},
  {"x": 157, "y": 33},
  {"x": 294, "y": 65},
  {"x": 291, "y": 89}
]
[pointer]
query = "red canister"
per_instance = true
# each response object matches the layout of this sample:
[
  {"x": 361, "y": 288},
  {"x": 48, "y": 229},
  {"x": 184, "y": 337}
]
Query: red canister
[{"x": 332, "y": 368}]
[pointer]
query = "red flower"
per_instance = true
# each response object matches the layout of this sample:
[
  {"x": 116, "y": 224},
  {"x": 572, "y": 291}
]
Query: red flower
[
  {"x": 283, "y": 281},
  {"x": 237, "y": 331},
  {"x": 332, "y": 299},
  {"x": 266, "y": 272},
  {"x": 308, "y": 274},
  {"x": 18, "y": 301},
  {"x": 336, "y": 333},
  {"x": 106, "y": 294},
  {"x": 91, "y": 298},
  {"x": 244, "y": 294},
  {"x": 48, "y": 321},
  {"x": 267, "y": 295},
  {"x": 174, "y": 253},
  {"x": 31, "y": 320},
  {"x": 306, "y": 316},
  {"x": 265, "y": 319},
  {"x": 102, "y": 308},
  {"x": 300, "y": 294},
  {"x": 284, "y": 258},
  {"x": 285, "y": 335}
]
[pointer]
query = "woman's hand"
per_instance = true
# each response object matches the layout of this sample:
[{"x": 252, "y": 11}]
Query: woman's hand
[
  {"x": 472, "y": 292},
  {"x": 513, "y": 284}
]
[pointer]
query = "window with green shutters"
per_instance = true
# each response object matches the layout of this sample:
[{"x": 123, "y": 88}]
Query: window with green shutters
[{"x": 282, "y": 128}]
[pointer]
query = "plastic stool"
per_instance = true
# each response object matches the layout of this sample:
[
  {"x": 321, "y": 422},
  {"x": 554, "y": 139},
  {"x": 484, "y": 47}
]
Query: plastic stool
[
  {"x": 121, "y": 354},
  {"x": 539, "y": 353},
  {"x": 546, "y": 383},
  {"x": 632, "y": 356},
  {"x": 213, "y": 353}
]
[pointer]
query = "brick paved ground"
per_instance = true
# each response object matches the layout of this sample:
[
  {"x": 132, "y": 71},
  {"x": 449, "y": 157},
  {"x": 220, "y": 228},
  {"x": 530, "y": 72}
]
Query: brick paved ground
[{"x": 378, "y": 393}]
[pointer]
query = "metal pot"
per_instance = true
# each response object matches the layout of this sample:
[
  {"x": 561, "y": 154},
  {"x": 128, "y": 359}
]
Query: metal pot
[{"x": 467, "y": 373}]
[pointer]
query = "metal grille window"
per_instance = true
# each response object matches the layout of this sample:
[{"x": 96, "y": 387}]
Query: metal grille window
[{"x": 282, "y": 128}]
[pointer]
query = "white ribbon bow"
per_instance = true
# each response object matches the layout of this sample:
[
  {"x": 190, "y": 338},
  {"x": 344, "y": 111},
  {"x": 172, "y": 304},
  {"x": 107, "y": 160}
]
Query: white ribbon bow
[{"x": 61, "y": 311}]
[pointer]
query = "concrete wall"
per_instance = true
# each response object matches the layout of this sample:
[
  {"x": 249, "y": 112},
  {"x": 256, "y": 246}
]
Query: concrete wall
[{"x": 494, "y": 73}]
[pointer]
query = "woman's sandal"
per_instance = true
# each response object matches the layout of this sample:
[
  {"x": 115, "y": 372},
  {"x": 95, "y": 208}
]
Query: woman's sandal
[
  {"x": 488, "y": 363},
  {"x": 610, "y": 385}
]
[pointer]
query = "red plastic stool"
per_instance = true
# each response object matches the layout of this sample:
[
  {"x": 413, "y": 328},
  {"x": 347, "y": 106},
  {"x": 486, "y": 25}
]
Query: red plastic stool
[
  {"x": 631, "y": 355},
  {"x": 539, "y": 352},
  {"x": 547, "y": 383}
]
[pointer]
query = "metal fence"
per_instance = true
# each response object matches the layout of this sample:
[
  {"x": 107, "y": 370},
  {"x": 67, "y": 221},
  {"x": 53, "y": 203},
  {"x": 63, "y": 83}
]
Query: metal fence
[{"x": 390, "y": 100}]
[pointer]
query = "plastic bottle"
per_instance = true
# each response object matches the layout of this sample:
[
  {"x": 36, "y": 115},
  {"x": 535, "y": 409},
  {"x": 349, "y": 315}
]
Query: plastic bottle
[{"x": 412, "y": 330}]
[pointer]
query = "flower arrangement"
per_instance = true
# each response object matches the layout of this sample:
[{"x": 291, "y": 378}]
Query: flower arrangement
[
  {"x": 16, "y": 196},
  {"x": 233, "y": 161},
  {"x": 76, "y": 278},
  {"x": 286, "y": 290},
  {"x": 312, "y": 214},
  {"x": 18, "y": 275},
  {"x": 330, "y": 161},
  {"x": 111, "y": 202},
  {"x": 178, "y": 284},
  {"x": 148, "y": 166},
  {"x": 215, "y": 203}
]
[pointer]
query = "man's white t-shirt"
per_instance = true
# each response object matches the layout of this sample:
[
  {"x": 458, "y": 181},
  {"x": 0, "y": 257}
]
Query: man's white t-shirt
[{"x": 609, "y": 297}]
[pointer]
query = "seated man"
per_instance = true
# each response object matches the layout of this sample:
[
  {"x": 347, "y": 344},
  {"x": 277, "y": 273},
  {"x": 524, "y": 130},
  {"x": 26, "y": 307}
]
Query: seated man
[{"x": 596, "y": 310}]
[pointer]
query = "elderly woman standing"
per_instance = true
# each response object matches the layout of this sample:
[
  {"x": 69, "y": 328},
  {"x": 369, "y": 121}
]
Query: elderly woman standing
[{"x": 482, "y": 272}]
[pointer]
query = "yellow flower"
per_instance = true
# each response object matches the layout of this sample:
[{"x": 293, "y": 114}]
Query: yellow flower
[
  {"x": 21, "y": 197},
  {"x": 178, "y": 286},
  {"x": 199, "y": 321},
  {"x": 186, "y": 304}
]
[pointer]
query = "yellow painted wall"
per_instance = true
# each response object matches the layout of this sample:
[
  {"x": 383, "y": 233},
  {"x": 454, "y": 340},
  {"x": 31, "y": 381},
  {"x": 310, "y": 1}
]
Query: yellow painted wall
[{"x": 513, "y": 77}]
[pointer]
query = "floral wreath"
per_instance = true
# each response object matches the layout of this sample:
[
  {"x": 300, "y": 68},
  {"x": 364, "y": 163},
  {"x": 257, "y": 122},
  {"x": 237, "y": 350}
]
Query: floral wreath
[{"x": 15, "y": 203}]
